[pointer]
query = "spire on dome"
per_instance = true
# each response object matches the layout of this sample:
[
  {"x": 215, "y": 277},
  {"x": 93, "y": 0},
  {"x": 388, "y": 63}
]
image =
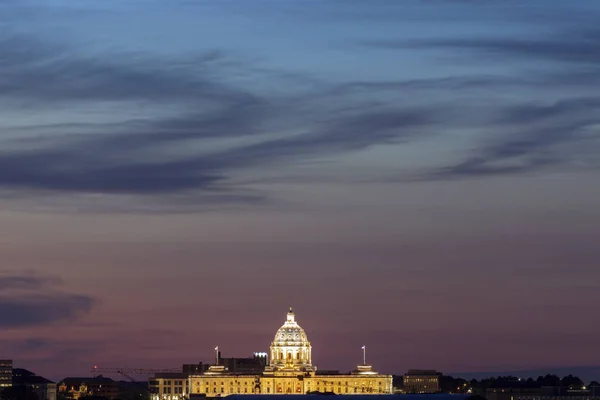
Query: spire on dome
[{"x": 290, "y": 315}]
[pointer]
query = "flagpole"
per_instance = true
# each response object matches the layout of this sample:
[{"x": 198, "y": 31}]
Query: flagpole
[
  {"x": 217, "y": 355},
  {"x": 364, "y": 349}
]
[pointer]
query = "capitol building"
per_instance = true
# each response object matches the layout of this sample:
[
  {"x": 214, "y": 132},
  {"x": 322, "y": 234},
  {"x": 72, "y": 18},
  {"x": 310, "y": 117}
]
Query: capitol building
[{"x": 289, "y": 370}]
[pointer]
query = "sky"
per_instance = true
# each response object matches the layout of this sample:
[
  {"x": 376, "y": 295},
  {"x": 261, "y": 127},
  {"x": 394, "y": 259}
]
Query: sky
[{"x": 420, "y": 177}]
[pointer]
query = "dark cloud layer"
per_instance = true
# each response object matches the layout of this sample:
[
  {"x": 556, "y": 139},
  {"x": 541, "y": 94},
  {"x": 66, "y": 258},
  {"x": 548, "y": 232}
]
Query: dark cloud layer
[
  {"x": 32, "y": 300},
  {"x": 115, "y": 162},
  {"x": 42, "y": 310},
  {"x": 79, "y": 166},
  {"x": 577, "y": 46},
  {"x": 113, "y": 158},
  {"x": 528, "y": 137},
  {"x": 30, "y": 282},
  {"x": 540, "y": 137},
  {"x": 41, "y": 71}
]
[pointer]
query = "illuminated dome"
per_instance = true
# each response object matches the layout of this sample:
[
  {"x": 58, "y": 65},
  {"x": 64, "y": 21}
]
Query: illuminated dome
[
  {"x": 290, "y": 349},
  {"x": 291, "y": 333}
]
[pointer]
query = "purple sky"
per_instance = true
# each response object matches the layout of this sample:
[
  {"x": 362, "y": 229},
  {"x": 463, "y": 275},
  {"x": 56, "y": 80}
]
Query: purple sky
[{"x": 418, "y": 177}]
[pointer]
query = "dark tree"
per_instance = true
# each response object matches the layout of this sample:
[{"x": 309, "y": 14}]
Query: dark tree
[
  {"x": 449, "y": 384},
  {"x": 549, "y": 380},
  {"x": 530, "y": 383},
  {"x": 571, "y": 381}
]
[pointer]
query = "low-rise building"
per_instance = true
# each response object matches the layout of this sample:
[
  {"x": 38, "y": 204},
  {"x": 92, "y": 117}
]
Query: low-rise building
[
  {"x": 169, "y": 386},
  {"x": 96, "y": 386},
  {"x": 419, "y": 381},
  {"x": 174, "y": 385},
  {"x": 248, "y": 365},
  {"x": 44, "y": 388}
]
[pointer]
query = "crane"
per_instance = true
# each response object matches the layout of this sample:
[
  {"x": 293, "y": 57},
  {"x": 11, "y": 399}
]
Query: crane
[
  {"x": 127, "y": 372},
  {"x": 135, "y": 371}
]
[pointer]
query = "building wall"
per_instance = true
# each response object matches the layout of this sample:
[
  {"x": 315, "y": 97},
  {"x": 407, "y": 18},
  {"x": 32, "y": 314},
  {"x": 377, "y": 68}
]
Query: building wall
[
  {"x": 91, "y": 387},
  {"x": 223, "y": 385},
  {"x": 421, "y": 383},
  {"x": 45, "y": 391},
  {"x": 169, "y": 388},
  {"x": 5, "y": 373}
]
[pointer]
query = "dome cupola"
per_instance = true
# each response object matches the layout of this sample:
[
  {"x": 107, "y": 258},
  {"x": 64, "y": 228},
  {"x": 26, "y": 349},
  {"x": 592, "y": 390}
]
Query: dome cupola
[{"x": 290, "y": 349}]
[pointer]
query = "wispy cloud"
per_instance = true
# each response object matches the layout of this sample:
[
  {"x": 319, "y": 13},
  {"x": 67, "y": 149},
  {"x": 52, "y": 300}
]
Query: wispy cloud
[
  {"x": 42, "y": 71},
  {"x": 28, "y": 300},
  {"x": 204, "y": 126},
  {"x": 536, "y": 138},
  {"x": 556, "y": 133},
  {"x": 176, "y": 153},
  {"x": 576, "y": 46}
]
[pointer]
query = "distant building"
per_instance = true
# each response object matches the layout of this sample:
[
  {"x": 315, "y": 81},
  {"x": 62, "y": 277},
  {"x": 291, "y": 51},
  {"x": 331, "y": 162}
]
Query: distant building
[
  {"x": 44, "y": 388},
  {"x": 174, "y": 385},
  {"x": 194, "y": 369},
  {"x": 249, "y": 365},
  {"x": 419, "y": 381},
  {"x": 169, "y": 385},
  {"x": 6, "y": 373},
  {"x": 81, "y": 387}
]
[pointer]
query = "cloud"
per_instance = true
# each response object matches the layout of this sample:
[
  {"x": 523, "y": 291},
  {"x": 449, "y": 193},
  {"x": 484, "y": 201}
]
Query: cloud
[
  {"x": 522, "y": 138},
  {"x": 28, "y": 300},
  {"x": 41, "y": 71},
  {"x": 216, "y": 131},
  {"x": 536, "y": 137},
  {"x": 577, "y": 46},
  {"x": 30, "y": 282},
  {"x": 112, "y": 164}
]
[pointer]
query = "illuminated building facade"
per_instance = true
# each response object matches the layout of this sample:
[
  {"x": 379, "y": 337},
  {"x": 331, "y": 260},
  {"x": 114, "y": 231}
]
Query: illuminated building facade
[
  {"x": 82, "y": 387},
  {"x": 169, "y": 385},
  {"x": 6, "y": 373},
  {"x": 289, "y": 371}
]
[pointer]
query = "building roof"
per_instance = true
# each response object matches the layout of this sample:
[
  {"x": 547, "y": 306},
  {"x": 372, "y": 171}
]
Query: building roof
[
  {"x": 25, "y": 377},
  {"x": 170, "y": 375},
  {"x": 88, "y": 380},
  {"x": 422, "y": 372},
  {"x": 290, "y": 333}
]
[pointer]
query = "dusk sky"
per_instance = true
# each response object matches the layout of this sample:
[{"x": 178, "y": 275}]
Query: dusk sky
[{"x": 420, "y": 177}]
